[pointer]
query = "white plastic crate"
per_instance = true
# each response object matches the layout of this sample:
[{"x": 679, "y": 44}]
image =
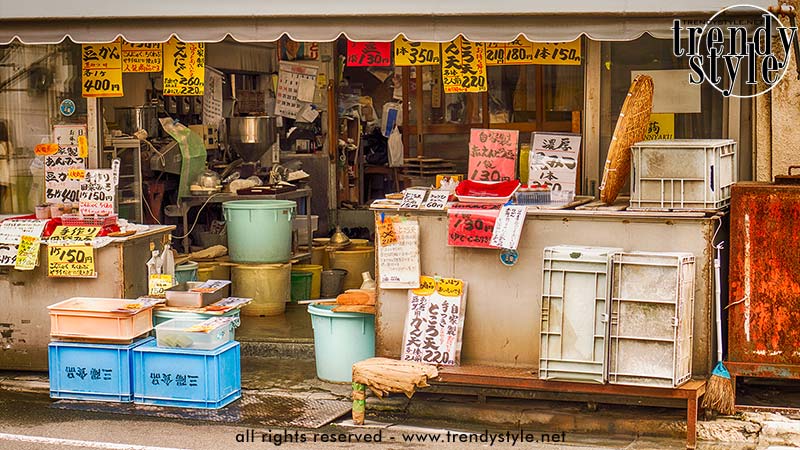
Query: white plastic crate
[
  {"x": 652, "y": 304},
  {"x": 575, "y": 304},
  {"x": 683, "y": 174}
]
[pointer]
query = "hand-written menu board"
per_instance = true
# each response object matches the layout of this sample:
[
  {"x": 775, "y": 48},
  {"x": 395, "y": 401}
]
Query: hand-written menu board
[
  {"x": 68, "y": 234},
  {"x": 101, "y": 66},
  {"x": 407, "y": 53},
  {"x": 97, "y": 192},
  {"x": 141, "y": 57},
  {"x": 360, "y": 54},
  {"x": 436, "y": 200},
  {"x": 294, "y": 83},
  {"x": 62, "y": 178},
  {"x": 471, "y": 225},
  {"x": 70, "y": 140},
  {"x": 493, "y": 154},
  {"x": 412, "y": 198},
  {"x": 184, "y": 67},
  {"x": 523, "y": 51},
  {"x": 11, "y": 234},
  {"x": 398, "y": 261},
  {"x": 508, "y": 227},
  {"x": 212, "y": 98},
  {"x": 553, "y": 163},
  {"x": 70, "y": 261},
  {"x": 27, "y": 253},
  {"x": 435, "y": 321},
  {"x": 463, "y": 66}
]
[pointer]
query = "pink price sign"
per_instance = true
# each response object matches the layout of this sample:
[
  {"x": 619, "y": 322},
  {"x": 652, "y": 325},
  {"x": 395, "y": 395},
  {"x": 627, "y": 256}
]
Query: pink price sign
[{"x": 493, "y": 154}]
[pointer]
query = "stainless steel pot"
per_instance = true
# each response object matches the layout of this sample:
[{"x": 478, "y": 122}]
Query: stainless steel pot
[
  {"x": 132, "y": 119},
  {"x": 251, "y": 137}
]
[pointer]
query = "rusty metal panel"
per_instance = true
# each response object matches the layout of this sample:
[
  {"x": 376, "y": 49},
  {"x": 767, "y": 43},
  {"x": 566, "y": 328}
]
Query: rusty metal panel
[{"x": 764, "y": 302}]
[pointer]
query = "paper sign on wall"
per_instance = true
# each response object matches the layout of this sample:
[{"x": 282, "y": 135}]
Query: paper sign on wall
[
  {"x": 508, "y": 227},
  {"x": 398, "y": 261},
  {"x": 68, "y": 139},
  {"x": 11, "y": 234},
  {"x": 184, "y": 67},
  {"x": 101, "y": 66},
  {"x": 293, "y": 79},
  {"x": 62, "y": 178},
  {"x": 70, "y": 261},
  {"x": 360, "y": 54},
  {"x": 97, "y": 192},
  {"x": 434, "y": 323},
  {"x": 141, "y": 57},
  {"x": 523, "y": 51},
  {"x": 493, "y": 154},
  {"x": 27, "y": 253},
  {"x": 661, "y": 126},
  {"x": 407, "y": 53},
  {"x": 463, "y": 66},
  {"x": 553, "y": 164},
  {"x": 471, "y": 226}
]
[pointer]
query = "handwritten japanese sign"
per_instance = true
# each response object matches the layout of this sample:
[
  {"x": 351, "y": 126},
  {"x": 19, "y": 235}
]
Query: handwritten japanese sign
[
  {"x": 101, "y": 66},
  {"x": 398, "y": 261},
  {"x": 434, "y": 324},
  {"x": 385, "y": 232},
  {"x": 293, "y": 80},
  {"x": 59, "y": 186},
  {"x": 97, "y": 192},
  {"x": 412, "y": 198},
  {"x": 407, "y": 53},
  {"x": 360, "y": 54},
  {"x": 11, "y": 234},
  {"x": 471, "y": 227},
  {"x": 661, "y": 126},
  {"x": 141, "y": 57},
  {"x": 158, "y": 283},
  {"x": 463, "y": 66},
  {"x": 553, "y": 163},
  {"x": 184, "y": 67},
  {"x": 27, "y": 253},
  {"x": 493, "y": 154},
  {"x": 68, "y": 140},
  {"x": 523, "y": 51},
  {"x": 436, "y": 200},
  {"x": 70, "y": 261},
  {"x": 508, "y": 227},
  {"x": 64, "y": 234}
]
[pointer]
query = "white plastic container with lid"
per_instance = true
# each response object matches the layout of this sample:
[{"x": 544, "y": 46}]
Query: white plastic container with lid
[{"x": 200, "y": 334}]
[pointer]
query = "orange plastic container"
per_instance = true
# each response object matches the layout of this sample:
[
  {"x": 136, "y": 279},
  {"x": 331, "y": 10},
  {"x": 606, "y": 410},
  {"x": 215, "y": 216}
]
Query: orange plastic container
[{"x": 103, "y": 319}]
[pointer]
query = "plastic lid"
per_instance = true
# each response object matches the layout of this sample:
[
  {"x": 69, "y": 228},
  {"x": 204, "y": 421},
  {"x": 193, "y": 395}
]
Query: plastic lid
[{"x": 259, "y": 204}]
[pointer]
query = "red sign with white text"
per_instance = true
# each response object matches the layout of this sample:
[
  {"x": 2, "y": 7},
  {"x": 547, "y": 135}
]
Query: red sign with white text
[
  {"x": 471, "y": 227},
  {"x": 361, "y": 54}
]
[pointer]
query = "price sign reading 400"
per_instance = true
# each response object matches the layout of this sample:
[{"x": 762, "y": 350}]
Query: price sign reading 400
[{"x": 101, "y": 66}]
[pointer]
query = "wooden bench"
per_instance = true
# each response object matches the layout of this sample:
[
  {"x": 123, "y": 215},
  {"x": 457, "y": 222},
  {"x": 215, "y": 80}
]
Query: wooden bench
[{"x": 516, "y": 378}]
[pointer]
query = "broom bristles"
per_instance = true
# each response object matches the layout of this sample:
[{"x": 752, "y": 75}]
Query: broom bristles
[{"x": 720, "y": 395}]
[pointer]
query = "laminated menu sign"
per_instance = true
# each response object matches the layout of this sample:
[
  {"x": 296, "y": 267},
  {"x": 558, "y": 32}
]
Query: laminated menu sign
[
  {"x": 27, "y": 253},
  {"x": 141, "y": 57},
  {"x": 435, "y": 321},
  {"x": 97, "y": 192},
  {"x": 374, "y": 54},
  {"x": 184, "y": 67},
  {"x": 62, "y": 178},
  {"x": 11, "y": 233},
  {"x": 463, "y": 66},
  {"x": 158, "y": 283},
  {"x": 294, "y": 81},
  {"x": 471, "y": 225},
  {"x": 398, "y": 258},
  {"x": 101, "y": 67},
  {"x": 508, "y": 227},
  {"x": 493, "y": 154},
  {"x": 553, "y": 164},
  {"x": 407, "y": 53},
  {"x": 523, "y": 51},
  {"x": 70, "y": 261}
]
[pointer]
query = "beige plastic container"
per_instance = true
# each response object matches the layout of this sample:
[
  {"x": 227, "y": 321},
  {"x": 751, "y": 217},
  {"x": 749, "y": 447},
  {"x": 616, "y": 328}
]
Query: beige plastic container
[
  {"x": 214, "y": 270},
  {"x": 104, "y": 319},
  {"x": 355, "y": 260},
  {"x": 269, "y": 285}
]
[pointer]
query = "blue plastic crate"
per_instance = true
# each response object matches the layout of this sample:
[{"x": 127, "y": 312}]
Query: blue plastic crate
[
  {"x": 99, "y": 372},
  {"x": 207, "y": 379}
]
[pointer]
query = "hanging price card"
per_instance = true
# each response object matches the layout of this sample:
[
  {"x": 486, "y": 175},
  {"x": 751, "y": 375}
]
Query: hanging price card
[
  {"x": 493, "y": 154},
  {"x": 141, "y": 57},
  {"x": 27, "y": 253},
  {"x": 74, "y": 234},
  {"x": 523, "y": 51},
  {"x": 360, "y": 54},
  {"x": 407, "y": 53},
  {"x": 471, "y": 227},
  {"x": 158, "y": 283},
  {"x": 101, "y": 66},
  {"x": 385, "y": 232},
  {"x": 437, "y": 200},
  {"x": 508, "y": 227},
  {"x": 184, "y": 67},
  {"x": 70, "y": 261},
  {"x": 463, "y": 66},
  {"x": 412, "y": 198},
  {"x": 97, "y": 192}
]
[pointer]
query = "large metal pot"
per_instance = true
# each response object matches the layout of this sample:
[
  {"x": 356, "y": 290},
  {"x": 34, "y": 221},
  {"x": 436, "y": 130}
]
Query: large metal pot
[
  {"x": 132, "y": 119},
  {"x": 251, "y": 137}
]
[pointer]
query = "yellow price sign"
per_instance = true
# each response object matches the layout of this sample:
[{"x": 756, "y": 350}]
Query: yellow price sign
[
  {"x": 661, "y": 126},
  {"x": 27, "y": 253},
  {"x": 70, "y": 261},
  {"x": 101, "y": 56},
  {"x": 386, "y": 233},
  {"x": 141, "y": 57},
  {"x": 102, "y": 83},
  {"x": 463, "y": 66},
  {"x": 450, "y": 287},
  {"x": 184, "y": 67},
  {"x": 408, "y": 53},
  {"x": 427, "y": 285},
  {"x": 523, "y": 51},
  {"x": 83, "y": 147},
  {"x": 158, "y": 283},
  {"x": 65, "y": 233}
]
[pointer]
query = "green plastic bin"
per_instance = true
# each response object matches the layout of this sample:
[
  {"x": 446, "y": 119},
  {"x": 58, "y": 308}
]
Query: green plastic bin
[
  {"x": 301, "y": 285},
  {"x": 340, "y": 340},
  {"x": 259, "y": 231}
]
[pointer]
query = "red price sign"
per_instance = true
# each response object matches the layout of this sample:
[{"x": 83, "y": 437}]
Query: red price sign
[
  {"x": 471, "y": 227},
  {"x": 360, "y": 54},
  {"x": 493, "y": 154}
]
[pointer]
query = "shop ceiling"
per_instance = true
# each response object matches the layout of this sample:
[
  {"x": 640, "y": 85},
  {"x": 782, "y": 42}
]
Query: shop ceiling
[{"x": 86, "y": 21}]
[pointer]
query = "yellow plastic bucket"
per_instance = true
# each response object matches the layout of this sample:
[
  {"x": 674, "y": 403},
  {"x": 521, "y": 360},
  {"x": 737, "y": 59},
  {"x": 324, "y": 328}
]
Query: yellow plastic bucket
[
  {"x": 316, "y": 277},
  {"x": 355, "y": 260},
  {"x": 214, "y": 270},
  {"x": 269, "y": 285}
]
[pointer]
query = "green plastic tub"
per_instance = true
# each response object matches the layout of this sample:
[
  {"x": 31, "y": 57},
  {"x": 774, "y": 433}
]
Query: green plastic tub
[
  {"x": 301, "y": 285},
  {"x": 340, "y": 340},
  {"x": 259, "y": 231},
  {"x": 186, "y": 272}
]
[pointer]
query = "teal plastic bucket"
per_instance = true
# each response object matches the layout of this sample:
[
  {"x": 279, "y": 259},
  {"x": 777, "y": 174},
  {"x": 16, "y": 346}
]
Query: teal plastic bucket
[
  {"x": 186, "y": 272},
  {"x": 340, "y": 340},
  {"x": 259, "y": 231},
  {"x": 301, "y": 285}
]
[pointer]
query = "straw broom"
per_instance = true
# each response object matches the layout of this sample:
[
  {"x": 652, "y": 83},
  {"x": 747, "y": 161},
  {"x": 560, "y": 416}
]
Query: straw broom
[{"x": 720, "y": 394}]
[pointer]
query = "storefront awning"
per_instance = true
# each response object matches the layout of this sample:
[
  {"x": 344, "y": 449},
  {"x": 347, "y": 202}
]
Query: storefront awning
[{"x": 87, "y": 21}]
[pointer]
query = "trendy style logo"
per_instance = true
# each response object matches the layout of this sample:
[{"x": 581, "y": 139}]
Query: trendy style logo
[{"x": 730, "y": 50}]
